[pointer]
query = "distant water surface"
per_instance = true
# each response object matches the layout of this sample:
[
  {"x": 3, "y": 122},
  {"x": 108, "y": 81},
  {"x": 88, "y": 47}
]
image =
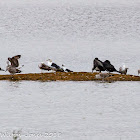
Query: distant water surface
[
  {"x": 70, "y": 110},
  {"x": 70, "y": 34}
]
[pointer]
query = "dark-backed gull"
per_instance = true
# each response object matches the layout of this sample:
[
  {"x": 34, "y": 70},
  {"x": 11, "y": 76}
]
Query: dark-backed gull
[
  {"x": 65, "y": 69},
  {"x": 53, "y": 66}
]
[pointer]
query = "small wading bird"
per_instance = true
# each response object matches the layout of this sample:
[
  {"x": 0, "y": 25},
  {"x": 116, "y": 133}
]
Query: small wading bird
[
  {"x": 54, "y": 66},
  {"x": 98, "y": 65},
  {"x": 12, "y": 70},
  {"x": 14, "y": 60},
  {"x": 123, "y": 70},
  {"x": 65, "y": 69}
]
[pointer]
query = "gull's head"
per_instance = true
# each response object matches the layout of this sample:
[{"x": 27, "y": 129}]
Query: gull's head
[
  {"x": 49, "y": 60},
  {"x": 40, "y": 65}
]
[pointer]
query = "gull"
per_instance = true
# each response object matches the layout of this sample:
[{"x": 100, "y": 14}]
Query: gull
[
  {"x": 14, "y": 60},
  {"x": 12, "y": 70},
  {"x": 65, "y": 69},
  {"x": 54, "y": 66},
  {"x": 43, "y": 66},
  {"x": 123, "y": 70}
]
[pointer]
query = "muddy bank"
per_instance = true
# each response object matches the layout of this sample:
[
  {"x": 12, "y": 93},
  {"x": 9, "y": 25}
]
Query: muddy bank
[{"x": 74, "y": 76}]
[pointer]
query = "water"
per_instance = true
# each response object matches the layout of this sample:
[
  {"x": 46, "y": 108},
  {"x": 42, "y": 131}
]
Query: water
[
  {"x": 70, "y": 33},
  {"x": 73, "y": 110}
]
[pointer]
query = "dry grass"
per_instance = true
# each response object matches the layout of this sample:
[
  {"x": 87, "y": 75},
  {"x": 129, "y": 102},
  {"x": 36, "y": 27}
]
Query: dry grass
[{"x": 72, "y": 76}]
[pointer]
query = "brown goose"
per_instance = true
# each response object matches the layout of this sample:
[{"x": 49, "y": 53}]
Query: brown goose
[{"x": 14, "y": 60}]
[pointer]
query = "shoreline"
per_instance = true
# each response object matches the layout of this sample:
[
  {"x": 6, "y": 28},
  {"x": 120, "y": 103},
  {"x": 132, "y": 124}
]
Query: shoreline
[{"x": 71, "y": 76}]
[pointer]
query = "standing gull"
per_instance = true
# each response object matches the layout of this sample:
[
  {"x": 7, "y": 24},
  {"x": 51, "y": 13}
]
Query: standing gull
[{"x": 123, "y": 70}]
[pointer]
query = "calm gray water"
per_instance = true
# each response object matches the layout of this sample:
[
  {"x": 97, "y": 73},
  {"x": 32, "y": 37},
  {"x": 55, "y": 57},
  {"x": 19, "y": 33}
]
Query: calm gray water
[
  {"x": 70, "y": 34},
  {"x": 70, "y": 110}
]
